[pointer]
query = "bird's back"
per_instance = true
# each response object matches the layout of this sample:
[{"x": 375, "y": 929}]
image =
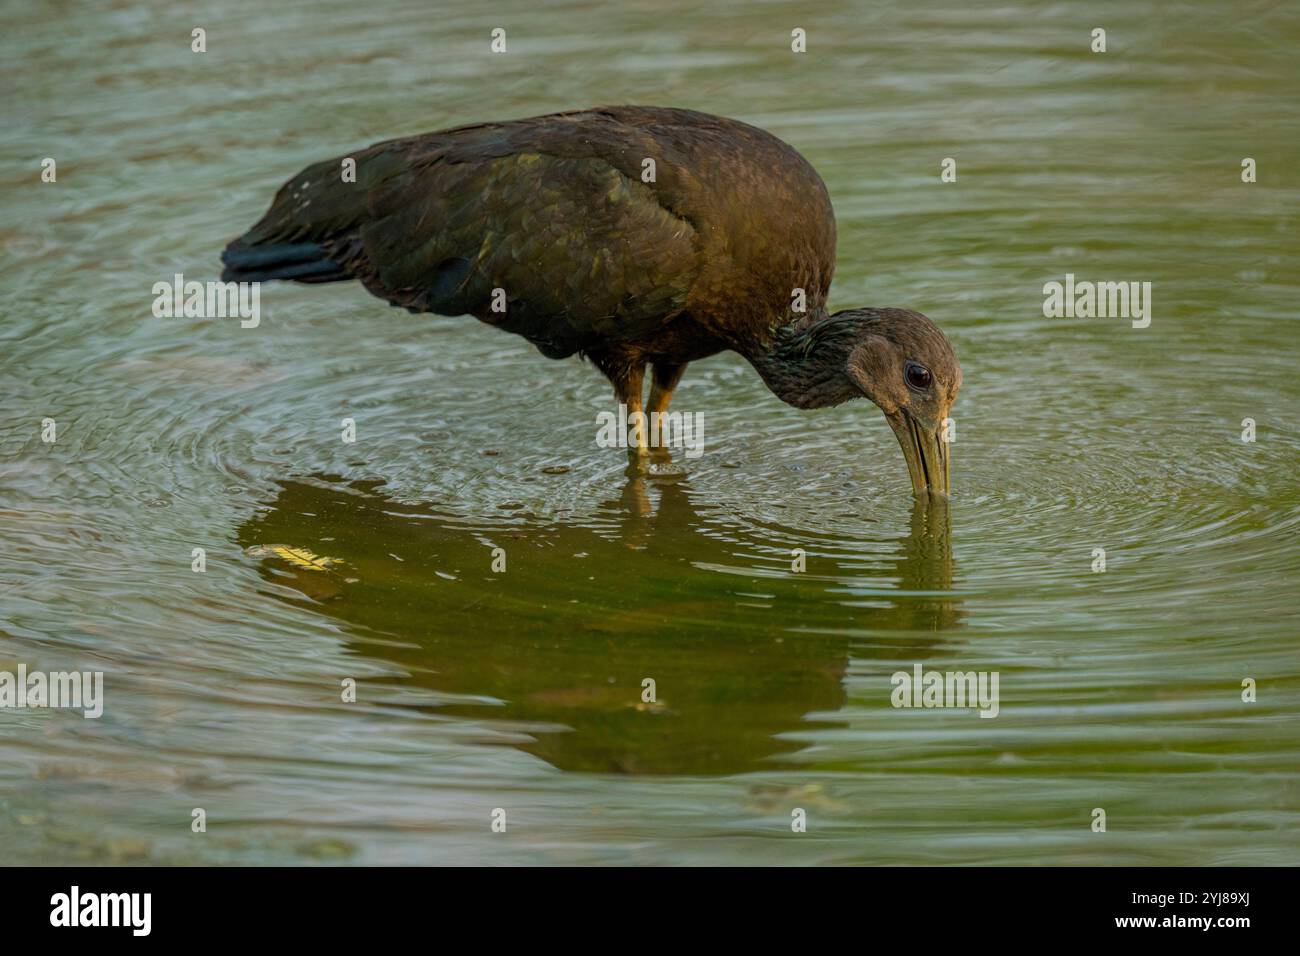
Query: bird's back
[{"x": 595, "y": 227}]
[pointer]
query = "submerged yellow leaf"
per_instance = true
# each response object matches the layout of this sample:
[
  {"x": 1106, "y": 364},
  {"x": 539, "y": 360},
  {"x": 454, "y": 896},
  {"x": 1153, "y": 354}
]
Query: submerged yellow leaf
[{"x": 302, "y": 557}]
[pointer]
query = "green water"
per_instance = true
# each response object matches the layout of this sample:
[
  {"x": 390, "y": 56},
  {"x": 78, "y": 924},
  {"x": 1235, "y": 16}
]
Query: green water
[{"x": 522, "y": 689}]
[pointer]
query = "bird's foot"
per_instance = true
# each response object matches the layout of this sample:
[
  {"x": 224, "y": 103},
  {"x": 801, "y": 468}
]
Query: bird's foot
[{"x": 638, "y": 462}]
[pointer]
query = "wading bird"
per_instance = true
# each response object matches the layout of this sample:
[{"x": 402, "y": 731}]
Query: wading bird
[{"x": 636, "y": 236}]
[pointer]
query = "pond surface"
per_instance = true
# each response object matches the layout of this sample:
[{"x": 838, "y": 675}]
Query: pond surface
[{"x": 522, "y": 689}]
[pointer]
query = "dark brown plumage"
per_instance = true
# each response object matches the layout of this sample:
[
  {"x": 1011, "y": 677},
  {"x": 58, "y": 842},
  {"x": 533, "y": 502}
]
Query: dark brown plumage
[{"x": 555, "y": 211}]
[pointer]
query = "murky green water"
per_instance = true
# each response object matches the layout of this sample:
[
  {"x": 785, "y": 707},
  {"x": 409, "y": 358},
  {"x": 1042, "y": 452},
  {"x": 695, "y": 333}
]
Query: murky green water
[{"x": 523, "y": 690}]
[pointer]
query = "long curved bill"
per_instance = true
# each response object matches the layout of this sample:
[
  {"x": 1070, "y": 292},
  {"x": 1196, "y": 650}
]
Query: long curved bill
[{"x": 929, "y": 459}]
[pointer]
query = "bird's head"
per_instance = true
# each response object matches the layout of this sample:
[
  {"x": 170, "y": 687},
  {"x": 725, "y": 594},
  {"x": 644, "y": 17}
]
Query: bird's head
[{"x": 902, "y": 362}]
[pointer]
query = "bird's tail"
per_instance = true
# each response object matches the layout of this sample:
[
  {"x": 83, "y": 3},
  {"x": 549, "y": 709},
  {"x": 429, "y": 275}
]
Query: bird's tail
[{"x": 296, "y": 261}]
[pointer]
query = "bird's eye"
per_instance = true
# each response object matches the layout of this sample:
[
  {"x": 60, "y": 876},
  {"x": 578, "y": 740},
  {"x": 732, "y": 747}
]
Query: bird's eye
[{"x": 918, "y": 376}]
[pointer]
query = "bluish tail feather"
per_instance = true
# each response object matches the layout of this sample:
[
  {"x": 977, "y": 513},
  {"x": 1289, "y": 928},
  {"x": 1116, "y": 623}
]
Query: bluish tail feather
[{"x": 296, "y": 261}]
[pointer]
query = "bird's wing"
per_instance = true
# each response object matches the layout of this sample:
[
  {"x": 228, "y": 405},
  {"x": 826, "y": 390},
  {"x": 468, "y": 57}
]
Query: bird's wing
[{"x": 583, "y": 254}]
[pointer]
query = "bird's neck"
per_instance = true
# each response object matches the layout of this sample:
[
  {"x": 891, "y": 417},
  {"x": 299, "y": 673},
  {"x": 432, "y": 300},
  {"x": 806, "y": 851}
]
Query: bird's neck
[{"x": 804, "y": 362}]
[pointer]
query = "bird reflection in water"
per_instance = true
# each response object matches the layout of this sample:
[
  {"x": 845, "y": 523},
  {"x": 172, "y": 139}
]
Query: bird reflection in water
[{"x": 561, "y": 642}]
